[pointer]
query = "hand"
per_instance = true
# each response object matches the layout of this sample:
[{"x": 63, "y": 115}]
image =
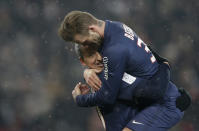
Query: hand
[
  {"x": 80, "y": 89},
  {"x": 84, "y": 89},
  {"x": 92, "y": 79},
  {"x": 76, "y": 91}
]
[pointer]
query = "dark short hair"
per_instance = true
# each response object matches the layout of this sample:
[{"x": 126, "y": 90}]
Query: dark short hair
[{"x": 85, "y": 51}]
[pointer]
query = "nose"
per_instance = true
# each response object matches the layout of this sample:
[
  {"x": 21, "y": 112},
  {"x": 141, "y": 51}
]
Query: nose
[{"x": 99, "y": 58}]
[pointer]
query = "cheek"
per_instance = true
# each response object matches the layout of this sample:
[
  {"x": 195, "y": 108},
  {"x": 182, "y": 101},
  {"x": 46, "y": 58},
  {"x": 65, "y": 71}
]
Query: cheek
[
  {"x": 93, "y": 36},
  {"x": 90, "y": 62}
]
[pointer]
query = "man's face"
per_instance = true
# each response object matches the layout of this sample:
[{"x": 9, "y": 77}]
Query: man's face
[
  {"x": 93, "y": 39},
  {"x": 94, "y": 61}
]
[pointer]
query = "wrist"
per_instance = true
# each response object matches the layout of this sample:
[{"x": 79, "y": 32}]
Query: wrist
[
  {"x": 84, "y": 73},
  {"x": 76, "y": 99}
]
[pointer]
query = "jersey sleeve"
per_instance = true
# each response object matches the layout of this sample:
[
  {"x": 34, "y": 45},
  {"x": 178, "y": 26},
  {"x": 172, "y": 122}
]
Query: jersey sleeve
[{"x": 114, "y": 64}]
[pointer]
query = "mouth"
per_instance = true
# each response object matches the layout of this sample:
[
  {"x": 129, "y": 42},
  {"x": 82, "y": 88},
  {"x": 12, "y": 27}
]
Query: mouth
[{"x": 99, "y": 65}]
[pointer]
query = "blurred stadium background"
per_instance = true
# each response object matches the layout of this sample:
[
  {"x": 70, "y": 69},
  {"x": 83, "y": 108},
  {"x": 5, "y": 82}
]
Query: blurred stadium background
[{"x": 38, "y": 70}]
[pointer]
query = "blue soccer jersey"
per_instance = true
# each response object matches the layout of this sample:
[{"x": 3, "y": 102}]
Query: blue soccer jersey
[
  {"x": 122, "y": 51},
  {"x": 125, "y": 55}
]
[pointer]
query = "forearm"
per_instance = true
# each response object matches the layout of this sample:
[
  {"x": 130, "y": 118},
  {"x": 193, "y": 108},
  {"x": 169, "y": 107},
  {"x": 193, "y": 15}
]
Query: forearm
[
  {"x": 90, "y": 100},
  {"x": 105, "y": 96}
]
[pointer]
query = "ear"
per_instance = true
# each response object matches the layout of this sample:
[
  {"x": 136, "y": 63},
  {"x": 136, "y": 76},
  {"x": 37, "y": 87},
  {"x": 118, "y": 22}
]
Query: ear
[
  {"x": 82, "y": 62},
  {"x": 93, "y": 28}
]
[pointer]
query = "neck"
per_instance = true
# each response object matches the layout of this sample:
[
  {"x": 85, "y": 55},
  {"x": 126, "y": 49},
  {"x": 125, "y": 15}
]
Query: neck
[{"x": 101, "y": 25}]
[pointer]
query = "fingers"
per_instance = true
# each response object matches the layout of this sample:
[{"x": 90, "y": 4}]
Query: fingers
[
  {"x": 78, "y": 86},
  {"x": 74, "y": 95},
  {"x": 92, "y": 79},
  {"x": 84, "y": 89},
  {"x": 93, "y": 86},
  {"x": 77, "y": 89},
  {"x": 93, "y": 83},
  {"x": 73, "y": 92},
  {"x": 127, "y": 129},
  {"x": 98, "y": 70},
  {"x": 96, "y": 80}
]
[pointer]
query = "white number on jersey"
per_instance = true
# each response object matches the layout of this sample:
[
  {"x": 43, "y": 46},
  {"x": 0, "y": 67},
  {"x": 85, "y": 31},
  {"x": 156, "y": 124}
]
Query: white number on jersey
[
  {"x": 129, "y": 34},
  {"x": 140, "y": 43}
]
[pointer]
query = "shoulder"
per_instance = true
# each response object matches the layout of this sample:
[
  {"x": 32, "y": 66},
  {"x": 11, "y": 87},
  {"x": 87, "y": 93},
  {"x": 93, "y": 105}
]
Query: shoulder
[
  {"x": 115, "y": 27},
  {"x": 115, "y": 49}
]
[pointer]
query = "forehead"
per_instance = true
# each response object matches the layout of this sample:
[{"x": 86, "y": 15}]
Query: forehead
[{"x": 80, "y": 38}]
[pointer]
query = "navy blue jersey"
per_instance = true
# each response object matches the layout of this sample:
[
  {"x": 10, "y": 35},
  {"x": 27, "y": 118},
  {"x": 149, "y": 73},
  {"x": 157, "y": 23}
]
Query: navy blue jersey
[
  {"x": 122, "y": 51},
  {"x": 123, "y": 47},
  {"x": 159, "y": 116}
]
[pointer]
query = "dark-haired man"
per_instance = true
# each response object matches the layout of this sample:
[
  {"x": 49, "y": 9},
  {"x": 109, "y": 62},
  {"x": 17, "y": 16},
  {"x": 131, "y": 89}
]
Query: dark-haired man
[{"x": 125, "y": 112}]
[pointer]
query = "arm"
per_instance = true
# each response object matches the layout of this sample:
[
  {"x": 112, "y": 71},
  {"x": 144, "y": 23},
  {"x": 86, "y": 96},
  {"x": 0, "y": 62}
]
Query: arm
[{"x": 114, "y": 65}]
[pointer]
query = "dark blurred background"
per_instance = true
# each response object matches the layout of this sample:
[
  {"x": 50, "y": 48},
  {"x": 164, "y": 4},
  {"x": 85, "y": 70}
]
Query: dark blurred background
[{"x": 38, "y": 70}]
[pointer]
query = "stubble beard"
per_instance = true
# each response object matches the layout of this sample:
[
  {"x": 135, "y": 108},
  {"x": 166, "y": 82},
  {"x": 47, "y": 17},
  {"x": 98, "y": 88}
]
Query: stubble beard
[{"x": 97, "y": 41}]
